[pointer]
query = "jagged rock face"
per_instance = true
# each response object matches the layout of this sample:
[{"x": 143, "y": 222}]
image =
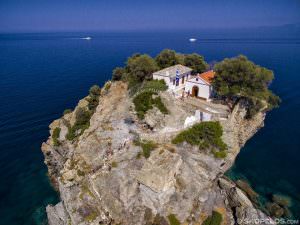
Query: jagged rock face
[{"x": 102, "y": 180}]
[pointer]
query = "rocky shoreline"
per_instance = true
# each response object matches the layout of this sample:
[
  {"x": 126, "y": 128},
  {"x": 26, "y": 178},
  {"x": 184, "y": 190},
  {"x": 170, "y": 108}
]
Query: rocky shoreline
[{"x": 102, "y": 181}]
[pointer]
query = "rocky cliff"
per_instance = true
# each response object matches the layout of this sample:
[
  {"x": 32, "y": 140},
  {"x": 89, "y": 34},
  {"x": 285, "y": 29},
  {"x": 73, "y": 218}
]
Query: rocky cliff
[{"x": 102, "y": 180}]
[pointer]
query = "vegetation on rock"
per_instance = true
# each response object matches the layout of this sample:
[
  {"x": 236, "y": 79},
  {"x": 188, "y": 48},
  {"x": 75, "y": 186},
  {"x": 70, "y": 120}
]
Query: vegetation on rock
[
  {"x": 159, "y": 220},
  {"x": 118, "y": 73},
  {"x": 147, "y": 98},
  {"x": 80, "y": 173},
  {"x": 220, "y": 154},
  {"x": 114, "y": 164},
  {"x": 55, "y": 136},
  {"x": 82, "y": 122},
  {"x": 91, "y": 216},
  {"x": 107, "y": 85},
  {"x": 95, "y": 90},
  {"x": 139, "y": 67},
  {"x": 167, "y": 58},
  {"x": 67, "y": 111},
  {"x": 155, "y": 85},
  {"x": 145, "y": 101},
  {"x": 239, "y": 78},
  {"x": 196, "y": 62},
  {"x": 93, "y": 98},
  {"x": 206, "y": 135},
  {"x": 214, "y": 219},
  {"x": 83, "y": 115},
  {"x": 147, "y": 147},
  {"x": 173, "y": 220}
]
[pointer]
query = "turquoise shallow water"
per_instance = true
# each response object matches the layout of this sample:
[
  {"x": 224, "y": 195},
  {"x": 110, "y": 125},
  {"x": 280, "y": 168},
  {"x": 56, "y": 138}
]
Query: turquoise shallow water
[{"x": 43, "y": 74}]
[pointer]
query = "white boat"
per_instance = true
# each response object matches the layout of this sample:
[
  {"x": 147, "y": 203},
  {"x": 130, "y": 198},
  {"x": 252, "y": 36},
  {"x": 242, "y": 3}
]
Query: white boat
[
  {"x": 192, "y": 39},
  {"x": 86, "y": 38}
]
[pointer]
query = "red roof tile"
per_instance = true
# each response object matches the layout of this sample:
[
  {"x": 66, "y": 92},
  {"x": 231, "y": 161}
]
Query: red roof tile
[{"x": 207, "y": 76}]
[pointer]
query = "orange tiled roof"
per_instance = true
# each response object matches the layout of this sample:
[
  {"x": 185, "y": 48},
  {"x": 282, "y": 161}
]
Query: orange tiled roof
[{"x": 207, "y": 76}]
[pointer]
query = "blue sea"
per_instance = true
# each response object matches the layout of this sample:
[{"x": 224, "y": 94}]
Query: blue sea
[{"x": 41, "y": 74}]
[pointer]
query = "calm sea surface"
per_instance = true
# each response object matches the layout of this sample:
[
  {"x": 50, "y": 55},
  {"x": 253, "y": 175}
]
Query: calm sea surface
[{"x": 43, "y": 74}]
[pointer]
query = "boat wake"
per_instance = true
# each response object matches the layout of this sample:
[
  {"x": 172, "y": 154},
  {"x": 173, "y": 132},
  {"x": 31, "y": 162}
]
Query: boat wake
[{"x": 86, "y": 38}]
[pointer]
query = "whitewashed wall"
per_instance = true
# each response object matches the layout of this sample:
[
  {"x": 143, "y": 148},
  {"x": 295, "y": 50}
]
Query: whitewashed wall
[
  {"x": 204, "y": 89},
  {"x": 169, "y": 81}
]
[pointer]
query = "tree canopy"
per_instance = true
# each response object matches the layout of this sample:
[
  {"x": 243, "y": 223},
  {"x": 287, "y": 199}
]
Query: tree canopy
[
  {"x": 239, "y": 78},
  {"x": 140, "y": 67},
  {"x": 236, "y": 78},
  {"x": 118, "y": 72},
  {"x": 95, "y": 90},
  {"x": 166, "y": 58},
  {"x": 196, "y": 62}
]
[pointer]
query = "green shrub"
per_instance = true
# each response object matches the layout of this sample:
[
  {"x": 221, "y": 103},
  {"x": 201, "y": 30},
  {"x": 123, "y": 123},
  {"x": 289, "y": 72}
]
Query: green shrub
[
  {"x": 114, "y": 164},
  {"x": 93, "y": 99},
  {"x": 71, "y": 133},
  {"x": 142, "y": 103},
  {"x": 145, "y": 101},
  {"x": 82, "y": 116},
  {"x": 82, "y": 122},
  {"x": 91, "y": 216},
  {"x": 95, "y": 90},
  {"x": 158, "y": 103},
  {"x": 158, "y": 85},
  {"x": 159, "y": 220},
  {"x": 80, "y": 173},
  {"x": 206, "y": 135},
  {"x": 273, "y": 100},
  {"x": 214, "y": 219},
  {"x": 93, "y": 102},
  {"x": 220, "y": 154},
  {"x": 55, "y": 136},
  {"x": 147, "y": 147},
  {"x": 118, "y": 73},
  {"x": 67, "y": 111},
  {"x": 254, "y": 106},
  {"x": 76, "y": 131},
  {"x": 173, "y": 220},
  {"x": 134, "y": 85},
  {"x": 107, "y": 85},
  {"x": 137, "y": 141},
  {"x": 139, "y": 155},
  {"x": 207, "y": 221}
]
